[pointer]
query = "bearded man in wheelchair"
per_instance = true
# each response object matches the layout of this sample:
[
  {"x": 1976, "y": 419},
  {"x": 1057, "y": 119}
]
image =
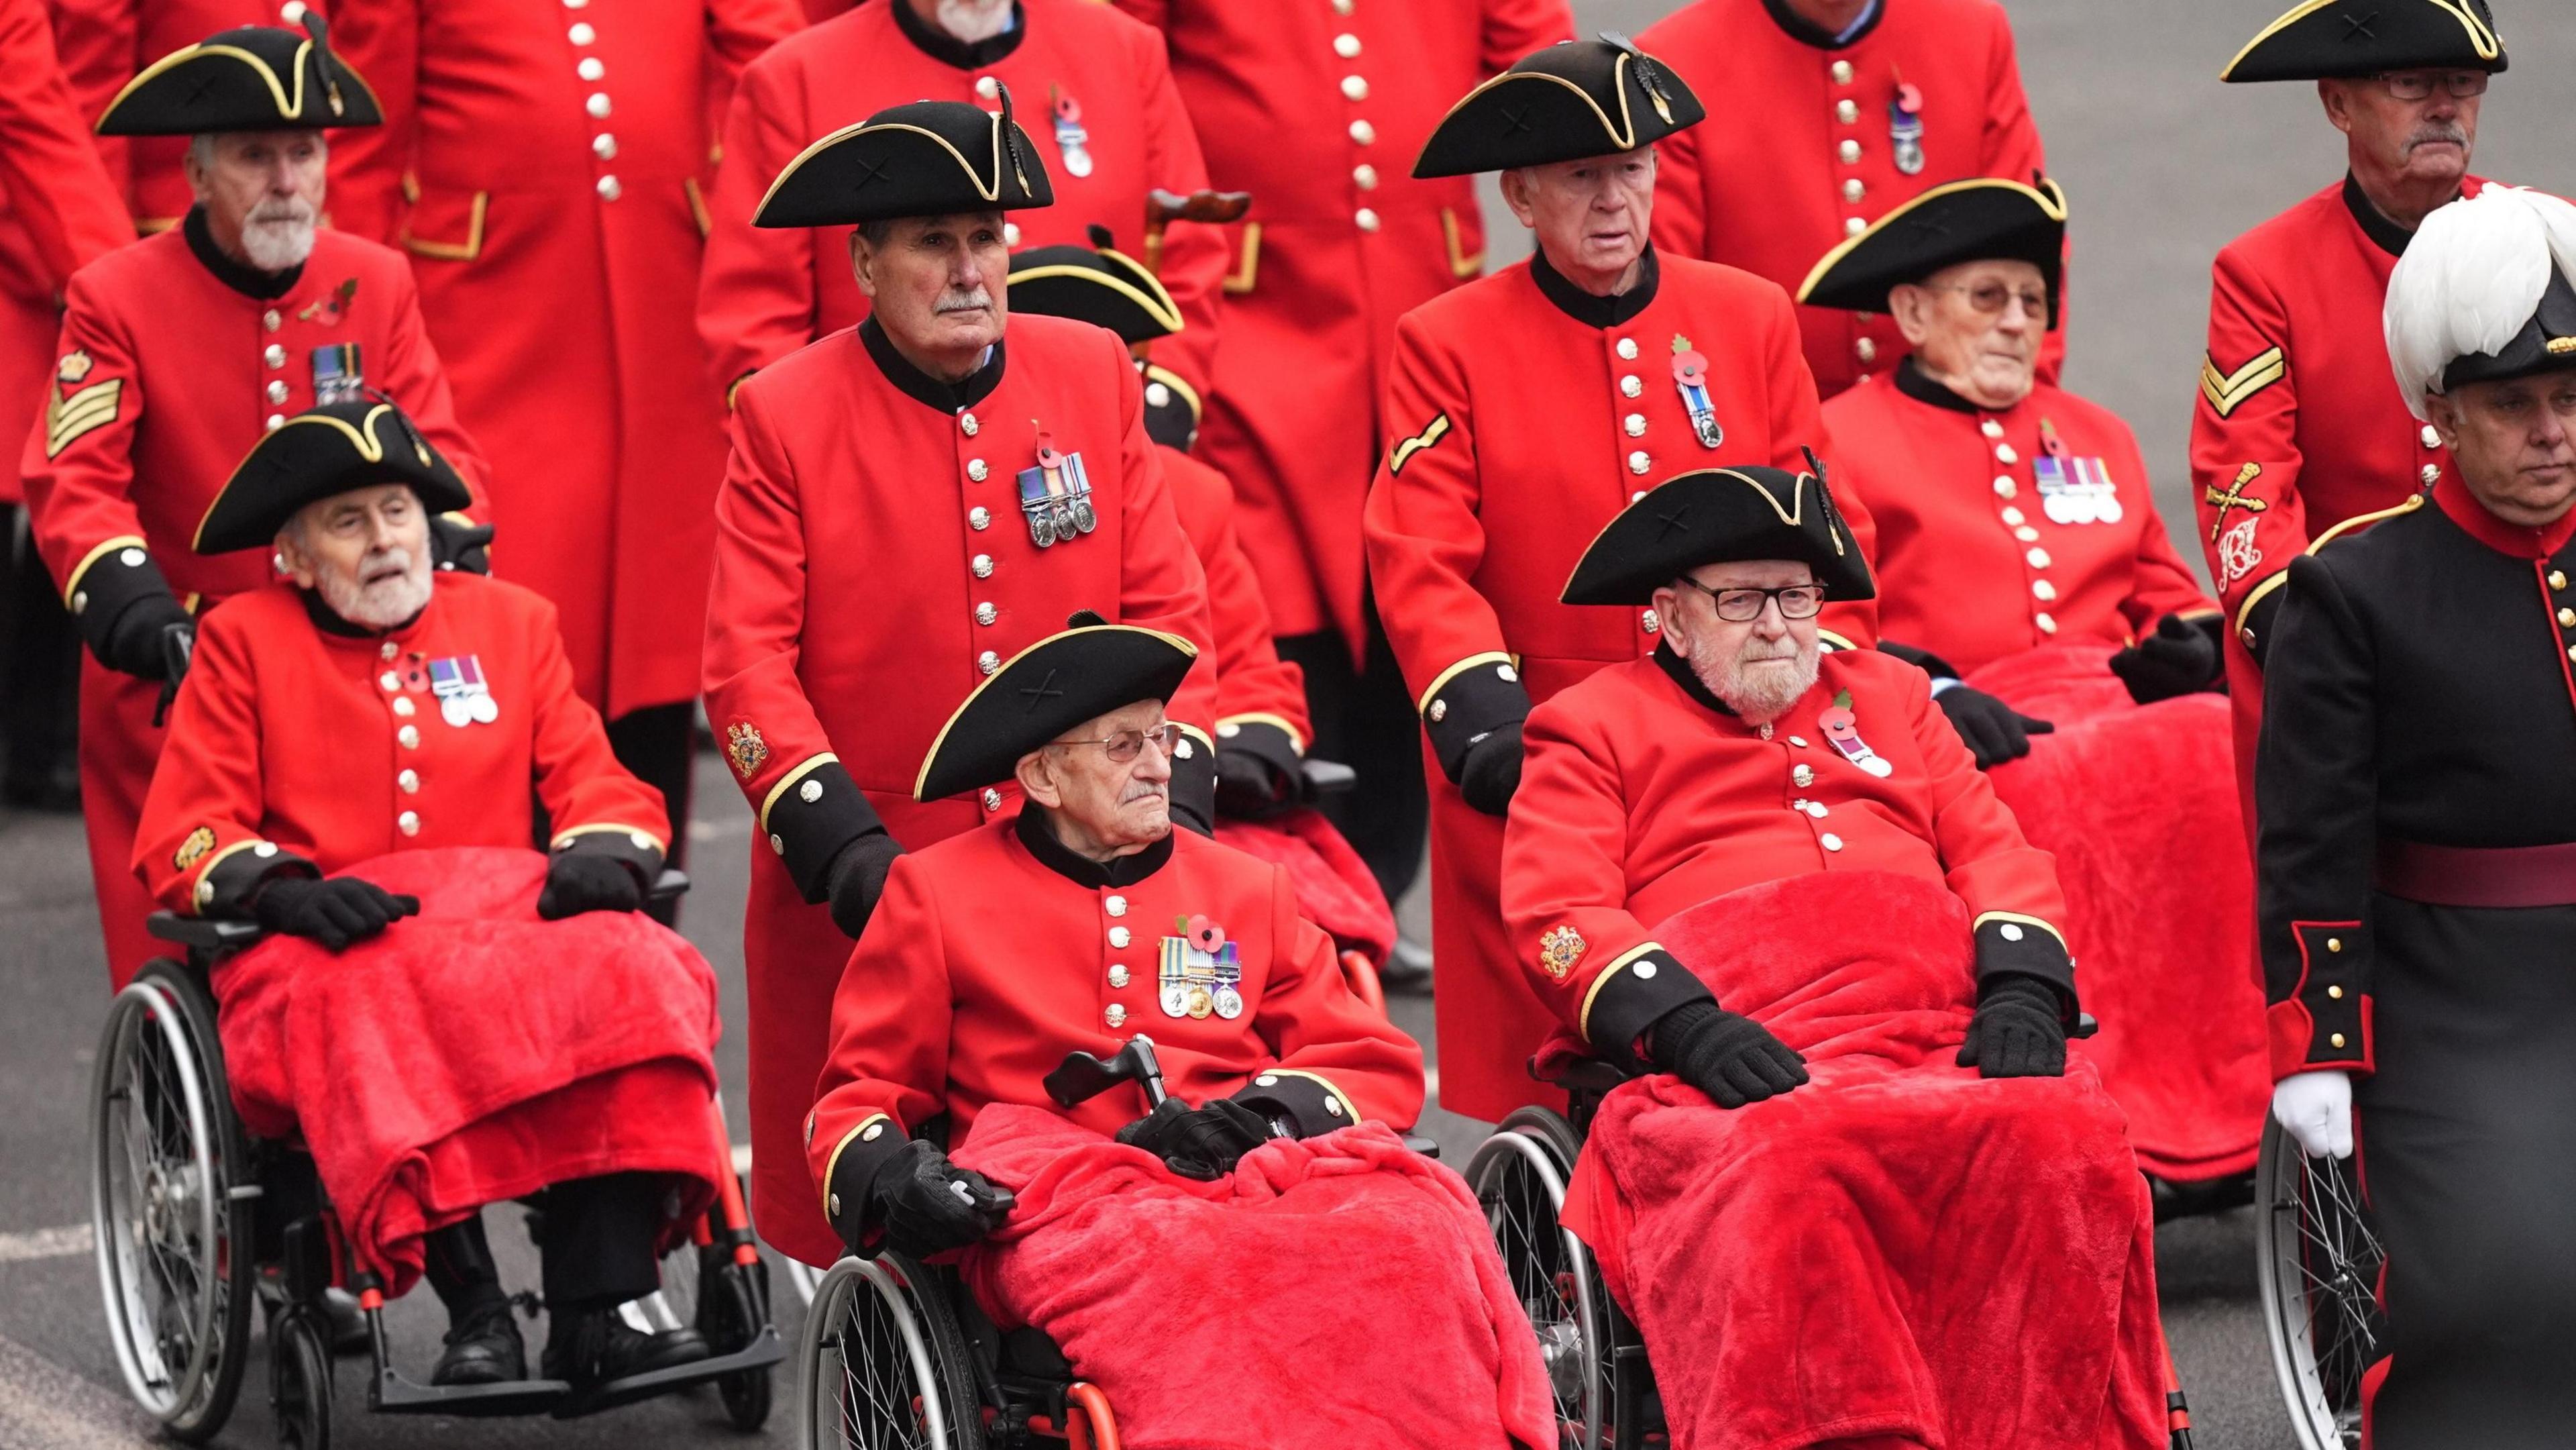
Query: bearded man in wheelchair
[
  {"x": 445, "y": 1016},
  {"x": 1256, "y": 1261},
  {"x": 1853, "y": 1192}
]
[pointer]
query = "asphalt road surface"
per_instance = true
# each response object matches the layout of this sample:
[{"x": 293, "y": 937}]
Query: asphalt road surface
[{"x": 2162, "y": 164}]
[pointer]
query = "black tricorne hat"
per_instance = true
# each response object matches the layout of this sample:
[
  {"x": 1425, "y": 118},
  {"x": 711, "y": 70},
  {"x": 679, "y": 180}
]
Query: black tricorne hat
[
  {"x": 1985, "y": 219},
  {"x": 2322, "y": 38},
  {"x": 1720, "y": 516},
  {"x": 1104, "y": 287},
  {"x": 1572, "y": 100},
  {"x": 1045, "y": 690},
  {"x": 318, "y": 453},
  {"x": 922, "y": 158},
  {"x": 256, "y": 78},
  {"x": 2546, "y": 344}
]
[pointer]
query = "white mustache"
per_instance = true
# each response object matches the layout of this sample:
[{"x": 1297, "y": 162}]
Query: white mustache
[
  {"x": 2438, "y": 133},
  {"x": 275, "y": 212},
  {"x": 974, "y": 301}
]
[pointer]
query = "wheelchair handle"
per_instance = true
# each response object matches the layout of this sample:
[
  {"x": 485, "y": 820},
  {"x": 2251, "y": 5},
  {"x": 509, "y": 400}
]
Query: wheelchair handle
[
  {"x": 1082, "y": 1077},
  {"x": 1327, "y": 777}
]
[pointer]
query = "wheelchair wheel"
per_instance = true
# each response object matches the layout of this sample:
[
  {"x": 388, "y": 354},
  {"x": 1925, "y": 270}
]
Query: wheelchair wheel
[
  {"x": 886, "y": 1367},
  {"x": 2318, "y": 1261},
  {"x": 1519, "y": 1177},
  {"x": 172, "y": 1195},
  {"x": 733, "y": 1307},
  {"x": 299, "y": 1381}
]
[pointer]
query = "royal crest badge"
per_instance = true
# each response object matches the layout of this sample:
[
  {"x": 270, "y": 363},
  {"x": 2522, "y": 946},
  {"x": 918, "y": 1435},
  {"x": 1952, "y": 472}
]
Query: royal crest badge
[
  {"x": 1559, "y": 948},
  {"x": 745, "y": 748},
  {"x": 194, "y": 849}
]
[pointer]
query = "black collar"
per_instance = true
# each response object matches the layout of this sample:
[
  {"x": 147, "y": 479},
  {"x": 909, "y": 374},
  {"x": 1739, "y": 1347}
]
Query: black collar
[
  {"x": 246, "y": 280},
  {"x": 2384, "y": 234},
  {"x": 920, "y": 386},
  {"x": 1680, "y": 672},
  {"x": 1082, "y": 870},
  {"x": 1807, "y": 32},
  {"x": 328, "y": 620},
  {"x": 947, "y": 49},
  {"x": 1917, "y": 384},
  {"x": 1594, "y": 311}
]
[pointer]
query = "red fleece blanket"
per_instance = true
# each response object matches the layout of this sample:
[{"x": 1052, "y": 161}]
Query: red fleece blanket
[
  {"x": 1335, "y": 888},
  {"x": 2139, "y": 806},
  {"x": 474, "y": 1053},
  {"x": 1896, "y": 1247},
  {"x": 1331, "y": 1292}
]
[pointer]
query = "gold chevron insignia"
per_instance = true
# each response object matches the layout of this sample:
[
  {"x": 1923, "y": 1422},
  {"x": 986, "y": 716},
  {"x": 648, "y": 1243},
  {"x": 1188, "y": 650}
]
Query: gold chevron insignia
[
  {"x": 1406, "y": 448},
  {"x": 67, "y": 418},
  {"x": 2227, "y": 392}
]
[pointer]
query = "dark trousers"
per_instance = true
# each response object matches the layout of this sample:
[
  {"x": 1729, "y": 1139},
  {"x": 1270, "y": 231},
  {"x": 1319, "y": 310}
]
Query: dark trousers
[
  {"x": 659, "y": 744},
  {"x": 1364, "y": 718},
  {"x": 597, "y": 1247},
  {"x": 39, "y": 676}
]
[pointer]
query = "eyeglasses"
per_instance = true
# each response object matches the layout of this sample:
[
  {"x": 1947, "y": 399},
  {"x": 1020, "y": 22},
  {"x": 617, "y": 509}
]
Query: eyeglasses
[
  {"x": 1990, "y": 297},
  {"x": 2416, "y": 85},
  {"x": 1743, "y": 606},
  {"x": 1126, "y": 745}
]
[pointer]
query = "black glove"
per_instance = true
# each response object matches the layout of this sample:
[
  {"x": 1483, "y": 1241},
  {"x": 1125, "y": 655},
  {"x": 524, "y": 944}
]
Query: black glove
[
  {"x": 334, "y": 913},
  {"x": 858, "y": 878},
  {"x": 1490, "y": 771},
  {"x": 1727, "y": 1055},
  {"x": 928, "y": 1205},
  {"x": 136, "y": 645},
  {"x": 1202, "y": 1143},
  {"x": 2180, "y": 658},
  {"x": 456, "y": 544},
  {"x": 1995, "y": 732},
  {"x": 2019, "y": 1029},
  {"x": 1249, "y": 787},
  {"x": 579, "y": 881}
]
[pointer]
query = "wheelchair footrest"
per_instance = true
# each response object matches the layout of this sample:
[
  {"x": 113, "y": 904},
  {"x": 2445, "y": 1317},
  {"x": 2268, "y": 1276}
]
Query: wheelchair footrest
[
  {"x": 765, "y": 1350},
  {"x": 391, "y": 1394}
]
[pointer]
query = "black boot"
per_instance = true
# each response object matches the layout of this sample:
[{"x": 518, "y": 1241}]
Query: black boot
[
  {"x": 483, "y": 1348},
  {"x": 590, "y": 1347}
]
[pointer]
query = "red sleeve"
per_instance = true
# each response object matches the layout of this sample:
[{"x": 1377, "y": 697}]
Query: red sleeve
[
  {"x": 1194, "y": 256},
  {"x": 888, "y": 1068},
  {"x": 1679, "y": 225},
  {"x": 1988, "y": 863},
  {"x": 1422, "y": 524},
  {"x": 1156, "y": 13},
  {"x": 755, "y": 288},
  {"x": 380, "y": 39},
  {"x": 2245, "y": 459},
  {"x": 56, "y": 185},
  {"x": 1514, "y": 28},
  {"x": 739, "y": 30},
  {"x": 1798, "y": 425},
  {"x": 197, "y": 844},
  {"x": 1160, "y": 583},
  {"x": 585, "y": 791},
  {"x": 79, "y": 462},
  {"x": 414, "y": 378},
  {"x": 2012, "y": 151},
  {"x": 1320, "y": 1034}
]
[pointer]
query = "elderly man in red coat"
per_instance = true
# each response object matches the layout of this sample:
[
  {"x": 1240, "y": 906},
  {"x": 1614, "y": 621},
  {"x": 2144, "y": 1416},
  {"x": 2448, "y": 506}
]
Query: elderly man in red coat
[
  {"x": 1111, "y": 133},
  {"x": 1849, "y": 109},
  {"x": 176, "y": 354},
  {"x": 2299, "y": 430},
  {"x": 554, "y": 273},
  {"x": 1769, "y": 881},
  {"x": 910, "y": 502},
  {"x": 372, "y": 705}
]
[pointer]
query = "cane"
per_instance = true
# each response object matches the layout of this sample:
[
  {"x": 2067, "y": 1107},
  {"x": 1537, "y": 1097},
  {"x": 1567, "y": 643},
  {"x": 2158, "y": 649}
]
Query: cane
[
  {"x": 1209, "y": 208},
  {"x": 1082, "y": 1077}
]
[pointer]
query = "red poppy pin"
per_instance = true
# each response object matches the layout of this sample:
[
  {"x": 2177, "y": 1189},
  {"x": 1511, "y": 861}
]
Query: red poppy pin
[{"x": 1842, "y": 727}]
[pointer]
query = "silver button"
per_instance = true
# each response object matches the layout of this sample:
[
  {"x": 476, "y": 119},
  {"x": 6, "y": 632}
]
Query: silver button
[
  {"x": 2038, "y": 558},
  {"x": 872, "y": 1132},
  {"x": 2046, "y": 624},
  {"x": 987, "y": 87},
  {"x": 1846, "y": 111},
  {"x": 275, "y": 356},
  {"x": 581, "y": 33},
  {"x": 409, "y": 780},
  {"x": 1118, "y": 974},
  {"x": 1439, "y": 711},
  {"x": 271, "y": 321},
  {"x": 1629, "y": 387},
  {"x": 1363, "y": 133},
  {"x": 810, "y": 791},
  {"x": 1365, "y": 219},
  {"x": 1853, "y": 190},
  {"x": 1354, "y": 88},
  {"x": 1115, "y": 905},
  {"x": 641, "y": 841},
  {"x": 1638, "y": 497},
  {"x": 390, "y": 681},
  {"x": 1506, "y": 673},
  {"x": 1830, "y": 841},
  {"x": 1627, "y": 349},
  {"x": 1645, "y": 971},
  {"x": 1346, "y": 45},
  {"x": 391, "y": 651},
  {"x": 2005, "y": 487},
  {"x": 985, "y": 613},
  {"x": 575, "y": 4},
  {"x": 1635, "y": 424},
  {"x": 409, "y": 735},
  {"x": 1866, "y": 349},
  {"x": 976, "y": 470},
  {"x": 2432, "y": 436},
  {"x": 275, "y": 422},
  {"x": 983, "y": 566},
  {"x": 2043, "y": 591},
  {"x": 1842, "y": 73},
  {"x": 988, "y": 662},
  {"x": 778, "y": 845},
  {"x": 610, "y": 189},
  {"x": 80, "y": 601},
  {"x": 2431, "y": 474},
  {"x": 1849, "y": 151},
  {"x": 1817, "y": 809},
  {"x": 2012, "y": 515},
  {"x": 2026, "y": 534},
  {"x": 966, "y": 424},
  {"x": 1802, "y": 774},
  {"x": 1118, "y": 936},
  {"x": 1854, "y": 226},
  {"x": 408, "y": 822},
  {"x": 1010, "y": 234},
  {"x": 1649, "y": 623},
  {"x": 1343, "y": 7},
  {"x": 1991, "y": 428},
  {"x": 2005, "y": 455},
  {"x": 131, "y": 558},
  {"x": 277, "y": 390},
  {"x": 2009, "y": 932},
  {"x": 1157, "y": 396},
  {"x": 1116, "y": 1016},
  {"x": 604, "y": 146},
  {"x": 590, "y": 69},
  {"x": 1364, "y": 176},
  {"x": 597, "y": 105},
  {"x": 992, "y": 799},
  {"x": 1799, "y": 741},
  {"x": 979, "y": 517},
  {"x": 1639, "y": 462},
  {"x": 402, "y": 707}
]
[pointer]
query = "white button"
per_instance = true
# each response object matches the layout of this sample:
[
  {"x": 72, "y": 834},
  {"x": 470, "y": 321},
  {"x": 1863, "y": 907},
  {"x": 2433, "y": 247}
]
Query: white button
[
  {"x": 1157, "y": 396},
  {"x": 205, "y": 892},
  {"x": 987, "y": 87},
  {"x": 1638, "y": 462},
  {"x": 270, "y": 320},
  {"x": 1802, "y": 774},
  {"x": 2005, "y": 455},
  {"x": 1854, "y": 226},
  {"x": 581, "y": 33},
  {"x": 409, "y": 735},
  {"x": 979, "y": 517},
  {"x": 1799, "y": 741},
  {"x": 778, "y": 845},
  {"x": 1439, "y": 711},
  {"x": 1629, "y": 387},
  {"x": 409, "y": 780},
  {"x": 277, "y": 390},
  {"x": 609, "y": 189},
  {"x": 275, "y": 356},
  {"x": 590, "y": 69},
  {"x": 390, "y": 681},
  {"x": 1991, "y": 428},
  {"x": 985, "y": 613},
  {"x": 1842, "y": 73},
  {"x": 1267, "y": 1079},
  {"x": 976, "y": 470},
  {"x": 2026, "y": 534},
  {"x": 1116, "y": 1015},
  {"x": 966, "y": 423},
  {"x": 402, "y": 707},
  {"x": 269, "y": 848},
  {"x": 2432, "y": 438},
  {"x": 1115, "y": 905},
  {"x": 2008, "y": 932},
  {"x": 2038, "y": 558},
  {"x": 2005, "y": 487},
  {"x": 1830, "y": 841},
  {"x": 810, "y": 791},
  {"x": 131, "y": 558},
  {"x": 983, "y": 566},
  {"x": 276, "y": 421},
  {"x": 1638, "y": 497},
  {"x": 1363, "y": 133},
  {"x": 1846, "y": 111},
  {"x": 391, "y": 650},
  {"x": 2043, "y": 591},
  {"x": 1342, "y": 7},
  {"x": 604, "y": 146},
  {"x": 640, "y": 841},
  {"x": 1118, "y": 974},
  {"x": 988, "y": 662},
  {"x": 1010, "y": 234},
  {"x": 1648, "y": 622},
  {"x": 1627, "y": 349},
  {"x": 1364, "y": 176},
  {"x": 1365, "y": 219},
  {"x": 1849, "y": 151},
  {"x": 1346, "y": 45},
  {"x": 992, "y": 799},
  {"x": 1635, "y": 423},
  {"x": 1645, "y": 971},
  {"x": 1118, "y": 936},
  {"x": 1354, "y": 88},
  {"x": 1816, "y": 809},
  {"x": 575, "y": 4},
  {"x": 2431, "y": 474},
  {"x": 2012, "y": 515},
  {"x": 1866, "y": 349},
  {"x": 872, "y": 1132},
  {"x": 409, "y": 822},
  {"x": 2046, "y": 624},
  {"x": 597, "y": 105},
  {"x": 1506, "y": 673},
  {"x": 1853, "y": 190}
]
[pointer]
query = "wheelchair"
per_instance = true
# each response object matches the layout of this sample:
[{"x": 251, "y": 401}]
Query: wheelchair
[
  {"x": 196, "y": 1222},
  {"x": 1595, "y": 1357},
  {"x": 2318, "y": 1260}
]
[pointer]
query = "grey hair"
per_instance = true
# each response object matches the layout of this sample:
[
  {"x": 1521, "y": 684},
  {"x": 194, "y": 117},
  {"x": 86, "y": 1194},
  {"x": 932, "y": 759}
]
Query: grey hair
[
  {"x": 201, "y": 151},
  {"x": 878, "y": 232}
]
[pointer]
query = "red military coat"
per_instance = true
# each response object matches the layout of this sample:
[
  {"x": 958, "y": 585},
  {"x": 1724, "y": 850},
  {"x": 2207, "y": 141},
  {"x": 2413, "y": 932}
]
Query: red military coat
[
  {"x": 1982, "y": 551},
  {"x": 293, "y": 745},
  {"x": 767, "y": 293},
  {"x": 554, "y": 272},
  {"x": 106, "y": 43},
  {"x": 994, "y": 954},
  {"x": 2299, "y": 426},
  {"x": 1800, "y": 149},
  {"x": 872, "y": 566},
  {"x": 1318, "y": 111},
  {"x": 59, "y": 211},
  {"x": 1641, "y": 798},
  {"x": 1520, "y": 429},
  {"x": 1259, "y": 696},
  {"x": 165, "y": 377}
]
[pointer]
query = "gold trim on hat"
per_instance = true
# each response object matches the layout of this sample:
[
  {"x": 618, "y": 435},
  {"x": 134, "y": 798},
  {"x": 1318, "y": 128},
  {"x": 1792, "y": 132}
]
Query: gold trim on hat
[
  {"x": 1158, "y": 304},
  {"x": 930, "y": 756},
  {"x": 2052, "y": 203},
  {"x": 992, "y": 193},
  {"x": 1623, "y": 136},
  {"x": 2482, "y": 37},
  {"x": 289, "y": 112},
  {"x": 369, "y": 446}
]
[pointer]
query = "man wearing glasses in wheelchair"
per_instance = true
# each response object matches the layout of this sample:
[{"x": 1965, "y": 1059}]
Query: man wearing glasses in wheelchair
[
  {"x": 1255, "y": 1260},
  {"x": 1853, "y": 1193},
  {"x": 368, "y": 711}
]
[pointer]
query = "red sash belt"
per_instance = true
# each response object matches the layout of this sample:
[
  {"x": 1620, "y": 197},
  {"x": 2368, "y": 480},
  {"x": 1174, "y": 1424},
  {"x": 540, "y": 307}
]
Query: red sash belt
[{"x": 2478, "y": 876}]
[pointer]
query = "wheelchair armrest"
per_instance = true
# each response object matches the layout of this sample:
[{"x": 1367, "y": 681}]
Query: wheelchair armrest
[
  {"x": 1587, "y": 1075},
  {"x": 669, "y": 886},
  {"x": 1328, "y": 777},
  {"x": 1427, "y": 1147},
  {"x": 2085, "y": 1026},
  {"x": 202, "y": 933}
]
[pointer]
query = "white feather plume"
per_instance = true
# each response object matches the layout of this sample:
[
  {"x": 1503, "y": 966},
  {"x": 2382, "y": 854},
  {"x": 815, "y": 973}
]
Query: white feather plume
[{"x": 2470, "y": 279}]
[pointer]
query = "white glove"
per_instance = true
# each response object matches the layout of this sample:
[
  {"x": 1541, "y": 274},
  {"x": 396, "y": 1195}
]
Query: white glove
[{"x": 2316, "y": 1108}]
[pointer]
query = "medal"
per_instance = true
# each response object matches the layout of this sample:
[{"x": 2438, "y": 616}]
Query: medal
[
  {"x": 2073, "y": 490},
  {"x": 1842, "y": 727},
  {"x": 1905, "y": 128},
  {"x": 1070, "y": 138},
  {"x": 463, "y": 697},
  {"x": 1055, "y": 496},
  {"x": 1690, "y": 376},
  {"x": 1200, "y": 972},
  {"x": 337, "y": 378}
]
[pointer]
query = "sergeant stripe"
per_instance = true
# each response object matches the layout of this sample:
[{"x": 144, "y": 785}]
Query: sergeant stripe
[
  {"x": 92, "y": 407},
  {"x": 2227, "y": 392}
]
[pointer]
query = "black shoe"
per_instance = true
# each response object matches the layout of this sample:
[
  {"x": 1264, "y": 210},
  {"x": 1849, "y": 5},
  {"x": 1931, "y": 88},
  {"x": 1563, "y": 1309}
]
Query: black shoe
[
  {"x": 589, "y": 1347},
  {"x": 346, "y": 1321},
  {"x": 483, "y": 1348}
]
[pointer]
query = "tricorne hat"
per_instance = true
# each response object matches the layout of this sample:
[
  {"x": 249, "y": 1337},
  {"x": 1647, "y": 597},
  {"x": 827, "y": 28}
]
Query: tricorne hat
[
  {"x": 1102, "y": 286},
  {"x": 1979, "y": 220},
  {"x": 1572, "y": 100},
  {"x": 2483, "y": 294},
  {"x": 1720, "y": 516},
  {"x": 256, "y": 78},
  {"x": 1045, "y": 690},
  {"x": 2322, "y": 38},
  {"x": 922, "y": 158},
  {"x": 316, "y": 454}
]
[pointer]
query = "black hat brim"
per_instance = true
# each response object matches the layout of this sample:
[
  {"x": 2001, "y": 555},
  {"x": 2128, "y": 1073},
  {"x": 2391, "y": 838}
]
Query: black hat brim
[
  {"x": 316, "y": 455},
  {"x": 258, "y": 78},
  {"x": 1104, "y": 288},
  {"x": 1720, "y": 516},
  {"x": 1045, "y": 690},
  {"x": 2324, "y": 39},
  {"x": 2546, "y": 343},
  {"x": 926, "y": 158},
  {"x": 1564, "y": 103},
  {"x": 1979, "y": 220}
]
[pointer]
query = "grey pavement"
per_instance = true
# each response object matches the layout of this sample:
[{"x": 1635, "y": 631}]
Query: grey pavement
[{"x": 2163, "y": 166}]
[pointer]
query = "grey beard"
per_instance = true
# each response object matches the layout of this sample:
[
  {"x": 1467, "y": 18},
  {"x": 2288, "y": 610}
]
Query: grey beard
[
  {"x": 1758, "y": 697},
  {"x": 974, "y": 20},
  {"x": 277, "y": 245},
  {"x": 384, "y": 604}
]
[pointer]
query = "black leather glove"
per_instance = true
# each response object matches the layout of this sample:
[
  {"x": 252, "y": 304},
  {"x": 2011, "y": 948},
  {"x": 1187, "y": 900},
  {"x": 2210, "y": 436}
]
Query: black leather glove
[
  {"x": 136, "y": 643},
  {"x": 1995, "y": 732},
  {"x": 2019, "y": 1029},
  {"x": 1727, "y": 1055},
  {"x": 334, "y": 913},
  {"x": 1250, "y": 788},
  {"x": 2180, "y": 658},
  {"x": 1491, "y": 770},
  {"x": 858, "y": 878},
  {"x": 927, "y": 1205},
  {"x": 578, "y": 881},
  {"x": 456, "y": 544},
  {"x": 1202, "y": 1143}
]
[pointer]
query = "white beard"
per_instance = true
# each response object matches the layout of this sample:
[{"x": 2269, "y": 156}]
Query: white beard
[
  {"x": 275, "y": 243},
  {"x": 974, "y": 20},
  {"x": 384, "y": 604},
  {"x": 1759, "y": 689}
]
